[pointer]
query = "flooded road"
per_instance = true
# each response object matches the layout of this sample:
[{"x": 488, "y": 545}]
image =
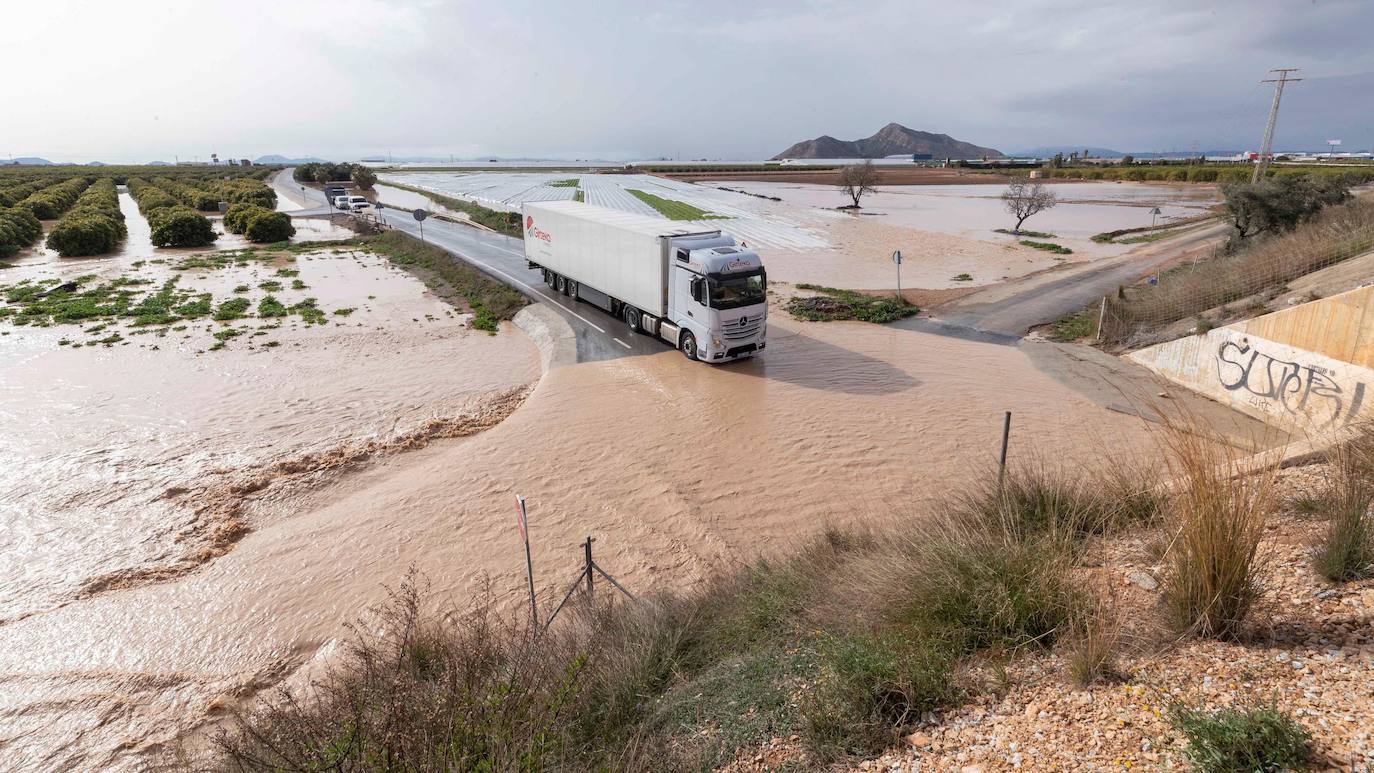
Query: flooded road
[{"x": 678, "y": 470}]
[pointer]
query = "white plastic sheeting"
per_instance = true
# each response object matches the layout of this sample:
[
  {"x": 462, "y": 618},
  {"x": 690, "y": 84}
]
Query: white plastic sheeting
[{"x": 508, "y": 190}]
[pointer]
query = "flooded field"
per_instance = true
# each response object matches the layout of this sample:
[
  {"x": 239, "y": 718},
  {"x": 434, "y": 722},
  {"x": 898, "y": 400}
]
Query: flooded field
[
  {"x": 678, "y": 470},
  {"x": 123, "y": 441},
  {"x": 946, "y": 232}
]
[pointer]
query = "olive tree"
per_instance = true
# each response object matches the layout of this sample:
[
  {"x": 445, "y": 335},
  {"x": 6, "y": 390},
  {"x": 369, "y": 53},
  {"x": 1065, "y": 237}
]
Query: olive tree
[
  {"x": 858, "y": 179},
  {"x": 1024, "y": 198}
]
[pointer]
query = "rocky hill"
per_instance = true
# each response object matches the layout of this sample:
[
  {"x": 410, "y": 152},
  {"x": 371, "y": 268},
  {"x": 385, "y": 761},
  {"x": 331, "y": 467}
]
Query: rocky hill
[{"x": 891, "y": 140}]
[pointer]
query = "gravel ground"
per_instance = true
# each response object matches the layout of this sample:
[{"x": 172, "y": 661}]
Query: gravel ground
[{"x": 1309, "y": 650}]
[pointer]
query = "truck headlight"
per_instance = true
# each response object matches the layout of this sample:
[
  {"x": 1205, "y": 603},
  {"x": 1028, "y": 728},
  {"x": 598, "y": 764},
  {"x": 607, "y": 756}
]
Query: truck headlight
[{"x": 716, "y": 342}]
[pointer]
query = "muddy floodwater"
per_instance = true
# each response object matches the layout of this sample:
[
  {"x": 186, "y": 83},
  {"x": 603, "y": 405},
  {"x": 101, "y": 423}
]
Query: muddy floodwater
[{"x": 678, "y": 469}]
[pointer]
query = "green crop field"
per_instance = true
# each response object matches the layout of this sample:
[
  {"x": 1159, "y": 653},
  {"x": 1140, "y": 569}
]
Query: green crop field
[{"x": 674, "y": 210}]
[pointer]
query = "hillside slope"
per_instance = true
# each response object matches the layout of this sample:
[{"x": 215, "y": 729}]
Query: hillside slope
[{"x": 891, "y": 140}]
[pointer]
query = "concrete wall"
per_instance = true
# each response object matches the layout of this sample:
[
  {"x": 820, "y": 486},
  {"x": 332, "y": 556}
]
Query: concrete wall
[{"x": 1306, "y": 369}]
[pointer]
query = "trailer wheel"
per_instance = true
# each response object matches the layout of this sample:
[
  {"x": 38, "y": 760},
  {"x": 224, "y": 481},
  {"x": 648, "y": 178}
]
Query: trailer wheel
[
  {"x": 548, "y": 277},
  {"x": 631, "y": 316},
  {"x": 572, "y": 289},
  {"x": 688, "y": 344},
  {"x": 562, "y": 284}
]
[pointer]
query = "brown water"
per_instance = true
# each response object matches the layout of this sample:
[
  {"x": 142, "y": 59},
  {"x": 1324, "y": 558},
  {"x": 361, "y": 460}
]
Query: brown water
[
  {"x": 108, "y": 451},
  {"x": 678, "y": 470}
]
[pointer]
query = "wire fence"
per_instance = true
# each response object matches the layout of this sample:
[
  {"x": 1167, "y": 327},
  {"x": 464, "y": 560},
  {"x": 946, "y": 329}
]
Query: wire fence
[{"x": 1259, "y": 274}]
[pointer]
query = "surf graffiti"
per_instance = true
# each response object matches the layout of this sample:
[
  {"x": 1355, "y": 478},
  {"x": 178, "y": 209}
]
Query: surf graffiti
[{"x": 1309, "y": 390}]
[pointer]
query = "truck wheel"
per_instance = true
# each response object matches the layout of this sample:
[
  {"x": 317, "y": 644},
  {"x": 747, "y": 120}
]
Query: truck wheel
[
  {"x": 562, "y": 284},
  {"x": 631, "y": 315},
  {"x": 688, "y": 344},
  {"x": 548, "y": 278},
  {"x": 572, "y": 289}
]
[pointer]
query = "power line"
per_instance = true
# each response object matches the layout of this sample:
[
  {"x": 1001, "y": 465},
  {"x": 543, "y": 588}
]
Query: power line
[{"x": 1267, "y": 145}]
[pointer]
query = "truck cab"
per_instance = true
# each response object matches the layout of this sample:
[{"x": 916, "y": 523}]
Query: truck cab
[{"x": 719, "y": 302}]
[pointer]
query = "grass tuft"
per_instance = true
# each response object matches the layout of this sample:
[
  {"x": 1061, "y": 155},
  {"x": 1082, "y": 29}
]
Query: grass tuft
[
  {"x": 1345, "y": 550},
  {"x": 834, "y": 305},
  {"x": 1242, "y": 740}
]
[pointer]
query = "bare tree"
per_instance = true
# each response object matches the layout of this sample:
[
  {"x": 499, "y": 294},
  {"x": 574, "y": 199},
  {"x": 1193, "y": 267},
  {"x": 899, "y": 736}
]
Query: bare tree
[
  {"x": 1024, "y": 198},
  {"x": 857, "y": 179}
]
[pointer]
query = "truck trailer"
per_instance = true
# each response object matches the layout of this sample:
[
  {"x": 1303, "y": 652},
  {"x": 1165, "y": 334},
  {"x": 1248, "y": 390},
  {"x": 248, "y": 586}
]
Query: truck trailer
[{"x": 694, "y": 288}]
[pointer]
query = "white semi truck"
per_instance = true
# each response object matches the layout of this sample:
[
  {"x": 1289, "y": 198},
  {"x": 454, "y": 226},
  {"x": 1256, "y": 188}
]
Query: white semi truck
[{"x": 696, "y": 289}]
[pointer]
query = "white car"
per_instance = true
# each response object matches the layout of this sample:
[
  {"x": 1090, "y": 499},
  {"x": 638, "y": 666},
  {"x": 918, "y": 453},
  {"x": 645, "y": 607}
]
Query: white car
[
  {"x": 341, "y": 202},
  {"x": 357, "y": 203}
]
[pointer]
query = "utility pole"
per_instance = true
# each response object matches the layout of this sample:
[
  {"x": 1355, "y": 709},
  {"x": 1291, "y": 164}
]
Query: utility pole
[{"x": 1267, "y": 144}]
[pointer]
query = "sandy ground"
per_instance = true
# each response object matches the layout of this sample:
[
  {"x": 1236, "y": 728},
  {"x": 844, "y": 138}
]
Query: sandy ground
[{"x": 677, "y": 470}]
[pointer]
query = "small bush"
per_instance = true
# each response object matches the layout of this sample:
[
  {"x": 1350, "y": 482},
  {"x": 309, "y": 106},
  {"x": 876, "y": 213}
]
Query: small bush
[
  {"x": 1346, "y": 550},
  {"x": 834, "y": 305},
  {"x": 180, "y": 226},
  {"x": 869, "y": 687},
  {"x": 266, "y": 227},
  {"x": 1242, "y": 740},
  {"x": 1047, "y": 247},
  {"x": 85, "y": 234},
  {"x": 1093, "y": 641}
]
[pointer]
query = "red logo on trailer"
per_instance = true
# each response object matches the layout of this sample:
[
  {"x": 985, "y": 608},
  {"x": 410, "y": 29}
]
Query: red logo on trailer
[{"x": 535, "y": 233}]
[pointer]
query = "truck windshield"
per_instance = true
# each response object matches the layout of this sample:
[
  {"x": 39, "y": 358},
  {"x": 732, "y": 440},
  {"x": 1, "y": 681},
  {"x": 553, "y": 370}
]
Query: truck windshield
[{"x": 736, "y": 290}]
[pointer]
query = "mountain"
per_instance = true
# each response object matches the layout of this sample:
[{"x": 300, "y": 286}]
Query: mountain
[
  {"x": 275, "y": 159},
  {"x": 31, "y": 161},
  {"x": 891, "y": 140}
]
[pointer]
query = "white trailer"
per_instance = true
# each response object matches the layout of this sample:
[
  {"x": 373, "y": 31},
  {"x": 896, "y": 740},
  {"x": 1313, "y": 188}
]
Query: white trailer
[{"x": 690, "y": 286}]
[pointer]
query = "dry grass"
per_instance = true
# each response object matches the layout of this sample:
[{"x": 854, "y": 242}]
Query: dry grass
[
  {"x": 846, "y": 642},
  {"x": 1337, "y": 233},
  {"x": 1094, "y": 640},
  {"x": 1217, "y": 517},
  {"x": 1346, "y": 550}
]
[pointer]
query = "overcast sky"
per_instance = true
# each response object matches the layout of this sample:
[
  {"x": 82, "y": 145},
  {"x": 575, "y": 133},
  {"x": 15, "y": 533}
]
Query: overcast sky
[{"x": 139, "y": 80}]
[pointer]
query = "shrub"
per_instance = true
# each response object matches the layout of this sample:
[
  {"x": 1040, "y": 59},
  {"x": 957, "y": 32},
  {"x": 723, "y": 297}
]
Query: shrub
[
  {"x": 267, "y": 226},
  {"x": 1346, "y": 550},
  {"x": 179, "y": 226},
  {"x": 1093, "y": 640},
  {"x": 835, "y": 304},
  {"x": 1242, "y": 740},
  {"x": 18, "y": 229},
  {"x": 870, "y": 686},
  {"x": 55, "y": 199},
  {"x": 237, "y": 216},
  {"x": 85, "y": 234},
  {"x": 93, "y": 226},
  {"x": 1217, "y": 518}
]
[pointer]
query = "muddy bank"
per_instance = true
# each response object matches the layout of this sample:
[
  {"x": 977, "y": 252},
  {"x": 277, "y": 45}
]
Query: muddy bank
[{"x": 677, "y": 469}]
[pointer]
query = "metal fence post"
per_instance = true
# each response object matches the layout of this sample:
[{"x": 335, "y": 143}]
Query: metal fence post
[
  {"x": 1002, "y": 463},
  {"x": 590, "y": 572}
]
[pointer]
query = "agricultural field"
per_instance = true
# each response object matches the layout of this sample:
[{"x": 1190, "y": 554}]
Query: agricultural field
[{"x": 85, "y": 203}]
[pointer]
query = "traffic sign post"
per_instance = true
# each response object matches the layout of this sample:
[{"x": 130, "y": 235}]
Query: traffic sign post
[
  {"x": 1154, "y": 213},
  {"x": 897, "y": 258},
  {"x": 420, "y": 216}
]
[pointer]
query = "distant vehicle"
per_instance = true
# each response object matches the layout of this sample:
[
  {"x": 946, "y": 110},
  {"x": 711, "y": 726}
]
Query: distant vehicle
[
  {"x": 698, "y": 290},
  {"x": 341, "y": 202},
  {"x": 356, "y": 203}
]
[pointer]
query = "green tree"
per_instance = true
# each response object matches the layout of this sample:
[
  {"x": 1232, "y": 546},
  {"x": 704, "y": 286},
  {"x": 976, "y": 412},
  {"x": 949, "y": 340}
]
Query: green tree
[{"x": 364, "y": 177}]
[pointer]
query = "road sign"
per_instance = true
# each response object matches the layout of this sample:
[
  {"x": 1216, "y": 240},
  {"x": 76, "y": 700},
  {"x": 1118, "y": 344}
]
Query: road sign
[
  {"x": 420, "y": 215},
  {"x": 897, "y": 257},
  {"x": 223, "y": 207}
]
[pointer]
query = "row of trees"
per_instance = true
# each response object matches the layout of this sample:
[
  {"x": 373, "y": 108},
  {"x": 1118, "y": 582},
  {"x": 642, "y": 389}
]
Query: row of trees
[
  {"x": 174, "y": 224},
  {"x": 325, "y": 172},
  {"x": 18, "y": 229},
  {"x": 205, "y": 195},
  {"x": 50, "y": 202},
  {"x": 258, "y": 224},
  {"x": 93, "y": 226},
  {"x": 19, "y": 189}
]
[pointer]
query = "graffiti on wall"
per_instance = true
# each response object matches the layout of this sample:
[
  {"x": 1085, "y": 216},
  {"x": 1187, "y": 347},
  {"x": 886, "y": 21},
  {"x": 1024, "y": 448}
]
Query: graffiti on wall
[{"x": 1308, "y": 391}]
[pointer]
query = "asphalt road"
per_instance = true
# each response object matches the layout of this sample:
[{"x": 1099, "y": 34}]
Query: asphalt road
[
  {"x": 1006, "y": 312},
  {"x": 599, "y": 335}
]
